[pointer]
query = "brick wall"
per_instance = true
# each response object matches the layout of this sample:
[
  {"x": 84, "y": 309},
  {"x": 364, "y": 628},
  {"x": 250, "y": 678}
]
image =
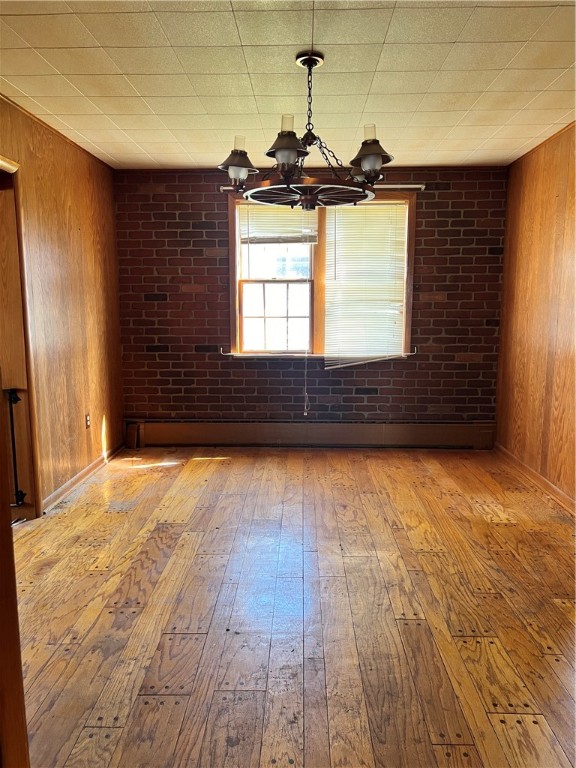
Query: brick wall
[{"x": 174, "y": 292}]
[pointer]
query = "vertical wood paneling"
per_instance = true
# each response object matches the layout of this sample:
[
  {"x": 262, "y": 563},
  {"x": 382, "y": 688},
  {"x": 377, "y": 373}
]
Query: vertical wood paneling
[
  {"x": 536, "y": 373},
  {"x": 66, "y": 220}
]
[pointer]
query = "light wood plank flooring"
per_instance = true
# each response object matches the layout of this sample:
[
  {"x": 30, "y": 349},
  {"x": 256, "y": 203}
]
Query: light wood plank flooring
[{"x": 250, "y": 608}]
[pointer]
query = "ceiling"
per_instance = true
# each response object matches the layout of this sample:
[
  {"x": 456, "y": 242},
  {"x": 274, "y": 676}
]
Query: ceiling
[{"x": 168, "y": 84}]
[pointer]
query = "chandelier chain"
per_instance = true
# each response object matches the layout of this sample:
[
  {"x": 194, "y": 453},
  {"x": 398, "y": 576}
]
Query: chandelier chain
[{"x": 309, "y": 124}]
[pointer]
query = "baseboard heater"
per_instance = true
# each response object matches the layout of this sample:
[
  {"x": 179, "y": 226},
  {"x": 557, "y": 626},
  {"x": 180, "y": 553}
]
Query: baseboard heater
[{"x": 476, "y": 435}]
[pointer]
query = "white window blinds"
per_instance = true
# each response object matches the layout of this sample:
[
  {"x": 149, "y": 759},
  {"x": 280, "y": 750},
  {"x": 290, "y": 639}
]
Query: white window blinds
[
  {"x": 366, "y": 272},
  {"x": 274, "y": 224}
]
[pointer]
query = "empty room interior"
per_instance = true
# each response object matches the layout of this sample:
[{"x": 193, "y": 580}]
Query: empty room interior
[{"x": 287, "y": 341}]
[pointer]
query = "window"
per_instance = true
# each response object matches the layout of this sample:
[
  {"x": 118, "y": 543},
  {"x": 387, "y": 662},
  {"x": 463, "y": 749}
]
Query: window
[{"x": 334, "y": 282}]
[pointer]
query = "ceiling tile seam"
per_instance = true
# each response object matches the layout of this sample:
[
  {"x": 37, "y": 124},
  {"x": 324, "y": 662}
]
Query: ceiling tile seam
[
  {"x": 172, "y": 47},
  {"x": 246, "y": 64}
]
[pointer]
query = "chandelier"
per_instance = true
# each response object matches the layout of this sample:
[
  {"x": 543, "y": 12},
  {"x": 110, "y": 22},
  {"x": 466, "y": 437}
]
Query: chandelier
[{"x": 288, "y": 184}]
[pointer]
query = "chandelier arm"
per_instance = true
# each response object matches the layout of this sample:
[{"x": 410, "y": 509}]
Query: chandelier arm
[{"x": 327, "y": 153}]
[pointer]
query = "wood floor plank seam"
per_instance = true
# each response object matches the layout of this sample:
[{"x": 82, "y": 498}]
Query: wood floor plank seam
[{"x": 296, "y": 608}]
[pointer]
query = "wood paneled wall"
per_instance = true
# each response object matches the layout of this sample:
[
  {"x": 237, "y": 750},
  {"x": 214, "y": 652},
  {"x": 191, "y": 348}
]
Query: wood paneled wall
[
  {"x": 536, "y": 371},
  {"x": 66, "y": 221}
]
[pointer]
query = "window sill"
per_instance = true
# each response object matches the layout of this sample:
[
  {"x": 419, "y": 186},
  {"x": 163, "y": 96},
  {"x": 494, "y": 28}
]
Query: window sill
[{"x": 274, "y": 355}]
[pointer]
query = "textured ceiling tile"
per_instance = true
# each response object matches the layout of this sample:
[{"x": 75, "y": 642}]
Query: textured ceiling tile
[
  {"x": 279, "y": 104},
  {"x": 103, "y": 85},
  {"x": 33, "y": 7},
  {"x": 119, "y": 147},
  {"x": 125, "y": 30},
  {"x": 221, "y": 85},
  {"x": 437, "y": 118},
  {"x": 89, "y": 121},
  {"x": 489, "y": 157},
  {"x": 459, "y": 145},
  {"x": 272, "y": 5},
  {"x": 229, "y": 104},
  {"x": 281, "y": 28},
  {"x": 213, "y": 60},
  {"x": 80, "y": 61},
  {"x": 471, "y": 132},
  {"x": 8, "y": 89},
  {"x": 544, "y": 55},
  {"x": 537, "y": 116},
  {"x": 161, "y": 147},
  {"x": 24, "y": 61},
  {"x": 351, "y": 26},
  {"x": 254, "y": 139},
  {"x": 97, "y": 135},
  {"x": 200, "y": 29},
  {"x": 343, "y": 5},
  {"x": 518, "y": 131},
  {"x": 285, "y": 84},
  {"x": 175, "y": 105},
  {"x": 69, "y": 105},
  {"x": 271, "y": 59},
  {"x": 327, "y": 83},
  {"x": 487, "y": 117},
  {"x": 140, "y": 122},
  {"x": 145, "y": 61},
  {"x": 58, "y": 124},
  {"x": 345, "y": 58},
  {"x": 393, "y": 102},
  {"x": 387, "y": 119},
  {"x": 480, "y": 55},
  {"x": 446, "y": 157},
  {"x": 501, "y": 143},
  {"x": 404, "y": 57},
  {"x": 205, "y": 137},
  {"x": 418, "y": 132},
  {"x": 565, "y": 82},
  {"x": 140, "y": 135},
  {"x": 101, "y": 6},
  {"x": 447, "y": 102},
  {"x": 207, "y": 122},
  {"x": 427, "y": 25},
  {"x": 270, "y": 121},
  {"x": 475, "y": 80},
  {"x": 61, "y": 31},
  {"x": 503, "y": 24},
  {"x": 43, "y": 85},
  {"x": 402, "y": 82},
  {"x": 162, "y": 85},
  {"x": 334, "y": 104},
  {"x": 124, "y": 105},
  {"x": 524, "y": 79},
  {"x": 504, "y": 100},
  {"x": 31, "y": 105},
  {"x": 9, "y": 38},
  {"x": 559, "y": 26}
]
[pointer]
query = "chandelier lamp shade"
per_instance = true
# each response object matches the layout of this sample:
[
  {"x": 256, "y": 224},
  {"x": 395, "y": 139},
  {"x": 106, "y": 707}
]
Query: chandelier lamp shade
[{"x": 287, "y": 184}]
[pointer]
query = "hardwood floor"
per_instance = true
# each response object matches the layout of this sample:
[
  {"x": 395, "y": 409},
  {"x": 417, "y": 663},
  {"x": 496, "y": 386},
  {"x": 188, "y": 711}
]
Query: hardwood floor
[{"x": 249, "y": 608}]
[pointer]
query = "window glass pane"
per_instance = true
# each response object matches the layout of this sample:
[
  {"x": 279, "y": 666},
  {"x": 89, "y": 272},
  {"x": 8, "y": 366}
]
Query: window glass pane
[
  {"x": 276, "y": 334},
  {"x": 265, "y": 261},
  {"x": 253, "y": 300},
  {"x": 298, "y": 333},
  {"x": 276, "y": 299},
  {"x": 299, "y": 300},
  {"x": 253, "y": 334}
]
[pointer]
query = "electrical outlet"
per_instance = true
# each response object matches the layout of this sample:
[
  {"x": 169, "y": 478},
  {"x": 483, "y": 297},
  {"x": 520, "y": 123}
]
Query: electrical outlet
[{"x": 87, "y": 419}]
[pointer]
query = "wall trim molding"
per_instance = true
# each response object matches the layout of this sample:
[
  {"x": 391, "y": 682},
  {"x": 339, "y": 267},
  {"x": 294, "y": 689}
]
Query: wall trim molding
[
  {"x": 479, "y": 435},
  {"x": 545, "y": 485},
  {"x": 60, "y": 493}
]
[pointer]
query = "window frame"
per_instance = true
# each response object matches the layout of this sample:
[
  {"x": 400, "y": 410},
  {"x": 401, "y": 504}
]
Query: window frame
[{"x": 317, "y": 279}]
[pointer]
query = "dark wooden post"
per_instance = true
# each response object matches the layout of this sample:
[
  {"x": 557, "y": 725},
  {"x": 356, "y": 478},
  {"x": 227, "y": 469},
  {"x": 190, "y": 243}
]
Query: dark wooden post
[{"x": 13, "y": 734}]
